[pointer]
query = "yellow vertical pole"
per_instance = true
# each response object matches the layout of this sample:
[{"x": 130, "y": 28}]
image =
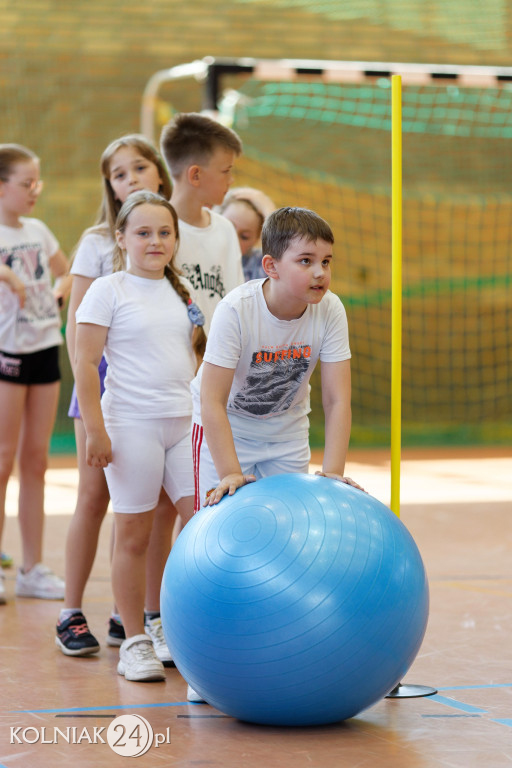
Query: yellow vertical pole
[
  {"x": 400, "y": 691},
  {"x": 396, "y": 289}
]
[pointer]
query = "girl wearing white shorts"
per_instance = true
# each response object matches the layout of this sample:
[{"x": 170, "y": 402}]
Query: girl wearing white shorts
[{"x": 144, "y": 320}]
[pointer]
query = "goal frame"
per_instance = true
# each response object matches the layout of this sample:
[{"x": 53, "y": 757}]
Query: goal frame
[{"x": 211, "y": 70}]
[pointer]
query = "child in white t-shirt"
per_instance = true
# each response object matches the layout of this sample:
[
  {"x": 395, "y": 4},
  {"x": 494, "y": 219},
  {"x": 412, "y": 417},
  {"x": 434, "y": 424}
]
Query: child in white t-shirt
[
  {"x": 145, "y": 320},
  {"x": 29, "y": 361},
  {"x": 128, "y": 164},
  {"x": 200, "y": 154},
  {"x": 251, "y": 395}
]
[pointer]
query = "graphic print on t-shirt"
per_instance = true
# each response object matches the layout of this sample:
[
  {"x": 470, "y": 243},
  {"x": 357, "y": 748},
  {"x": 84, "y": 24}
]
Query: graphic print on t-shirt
[
  {"x": 26, "y": 261},
  {"x": 273, "y": 380},
  {"x": 210, "y": 281}
]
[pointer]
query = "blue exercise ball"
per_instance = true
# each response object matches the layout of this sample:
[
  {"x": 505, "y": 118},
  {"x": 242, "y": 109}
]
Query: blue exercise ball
[{"x": 299, "y": 600}]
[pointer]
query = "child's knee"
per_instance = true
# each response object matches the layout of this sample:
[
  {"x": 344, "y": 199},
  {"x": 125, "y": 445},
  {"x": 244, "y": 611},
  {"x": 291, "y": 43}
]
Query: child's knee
[
  {"x": 33, "y": 461},
  {"x": 132, "y": 534}
]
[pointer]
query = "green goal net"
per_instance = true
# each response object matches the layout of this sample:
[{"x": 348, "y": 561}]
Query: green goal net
[
  {"x": 327, "y": 146},
  {"x": 317, "y": 138}
]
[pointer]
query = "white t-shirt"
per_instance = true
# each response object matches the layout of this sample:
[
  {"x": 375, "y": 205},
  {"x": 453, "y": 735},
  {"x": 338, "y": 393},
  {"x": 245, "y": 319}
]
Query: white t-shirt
[
  {"x": 93, "y": 257},
  {"x": 273, "y": 360},
  {"x": 148, "y": 347},
  {"x": 27, "y": 251},
  {"x": 211, "y": 260}
]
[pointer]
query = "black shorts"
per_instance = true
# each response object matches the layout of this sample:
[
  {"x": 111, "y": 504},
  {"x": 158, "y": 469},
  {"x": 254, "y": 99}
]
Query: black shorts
[{"x": 40, "y": 367}]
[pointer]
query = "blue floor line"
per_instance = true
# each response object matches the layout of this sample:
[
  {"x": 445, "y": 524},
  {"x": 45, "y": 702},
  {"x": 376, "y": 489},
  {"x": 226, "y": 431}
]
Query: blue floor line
[
  {"x": 455, "y": 704},
  {"x": 506, "y": 721},
  {"x": 106, "y": 709},
  {"x": 441, "y": 699}
]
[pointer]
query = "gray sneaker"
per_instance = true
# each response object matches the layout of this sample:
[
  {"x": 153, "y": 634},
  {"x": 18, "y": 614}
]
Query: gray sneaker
[
  {"x": 138, "y": 660},
  {"x": 154, "y": 630},
  {"x": 39, "y": 582}
]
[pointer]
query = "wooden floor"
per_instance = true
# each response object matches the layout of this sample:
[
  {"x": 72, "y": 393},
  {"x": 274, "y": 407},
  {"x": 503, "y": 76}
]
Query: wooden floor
[{"x": 458, "y": 507}]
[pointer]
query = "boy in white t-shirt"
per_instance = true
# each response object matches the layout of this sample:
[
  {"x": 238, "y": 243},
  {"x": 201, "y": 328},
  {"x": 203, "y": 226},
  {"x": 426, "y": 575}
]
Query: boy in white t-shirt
[
  {"x": 200, "y": 154},
  {"x": 251, "y": 395}
]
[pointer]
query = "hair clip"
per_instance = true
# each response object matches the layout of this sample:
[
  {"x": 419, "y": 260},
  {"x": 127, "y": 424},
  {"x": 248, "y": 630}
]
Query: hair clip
[{"x": 194, "y": 313}]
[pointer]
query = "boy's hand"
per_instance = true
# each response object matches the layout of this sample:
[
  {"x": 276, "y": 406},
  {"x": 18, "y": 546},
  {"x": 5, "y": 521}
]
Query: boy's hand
[
  {"x": 228, "y": 485},
  {"x": 347, "y": 480}
]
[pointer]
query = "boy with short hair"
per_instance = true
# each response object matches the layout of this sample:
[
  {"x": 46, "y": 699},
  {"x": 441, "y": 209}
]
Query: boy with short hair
[
  {"x": 200, "y": 154},
  {"x": 251, "y": 395}
]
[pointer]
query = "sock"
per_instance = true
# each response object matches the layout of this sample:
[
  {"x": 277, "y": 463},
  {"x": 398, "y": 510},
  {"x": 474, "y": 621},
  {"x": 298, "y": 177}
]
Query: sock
[
  {"x": 116, "y": 617},
  {"x": 66, "y": 613},
  {"x": 148, "y": 615}
]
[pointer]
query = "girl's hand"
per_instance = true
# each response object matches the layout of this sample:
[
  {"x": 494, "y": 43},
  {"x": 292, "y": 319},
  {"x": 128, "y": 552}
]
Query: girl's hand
[
  {"x": 62, "y": 289},
  {"x": 19, "y": 289},
  {"x": 14, "y": 283},
  {"x": 229, "y": 485},
  {"x": 347, "y": 480},
  {"x": 99, "y": 450}
]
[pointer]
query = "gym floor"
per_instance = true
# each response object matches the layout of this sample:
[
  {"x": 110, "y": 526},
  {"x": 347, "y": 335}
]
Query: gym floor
[{"x": 458, "y": 507}]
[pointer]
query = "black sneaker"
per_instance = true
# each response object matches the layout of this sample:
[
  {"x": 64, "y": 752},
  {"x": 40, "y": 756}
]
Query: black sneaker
[
  {"x": 74, "y": 638},
  {"x": 116, "y": 633}
]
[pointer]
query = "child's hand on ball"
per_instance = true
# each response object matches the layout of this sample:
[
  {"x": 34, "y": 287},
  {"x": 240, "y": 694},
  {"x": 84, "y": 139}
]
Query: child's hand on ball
[{"x": 347, "y": 480}]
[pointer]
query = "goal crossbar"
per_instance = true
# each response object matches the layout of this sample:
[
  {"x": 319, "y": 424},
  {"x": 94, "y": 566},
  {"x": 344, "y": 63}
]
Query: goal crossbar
[{"x": 210, "y": 71}]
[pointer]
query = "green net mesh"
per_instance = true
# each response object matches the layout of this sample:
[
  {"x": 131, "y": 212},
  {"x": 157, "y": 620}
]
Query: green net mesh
[{"x": 328, "y": 147}]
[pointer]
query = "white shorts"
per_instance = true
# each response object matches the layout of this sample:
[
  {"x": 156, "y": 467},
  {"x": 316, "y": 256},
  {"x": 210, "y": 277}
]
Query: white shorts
[
  {"x": 148, "y": 454},
  {"x": 255, "y": 457}
]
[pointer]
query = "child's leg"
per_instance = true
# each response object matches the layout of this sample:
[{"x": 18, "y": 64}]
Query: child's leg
[
  {"x": 179, "y": 467},
  {"x": 205, "y": 474},
  {"x": 158, "y": 550},
  {"x": 82, "y": 538},
  {"x": 178, "y": 483},
  {"x": 178, "y": 527},
  {"x": 134, "y": 479},
  {"x": 185, "y": 507},
  {"x": 133, "y": 532},
  {"x": 37, "y": 425},
  {"x": 160, "y": 544},
  {"x": 12, "y": 403},
  {"x": 139, "y": 657}
]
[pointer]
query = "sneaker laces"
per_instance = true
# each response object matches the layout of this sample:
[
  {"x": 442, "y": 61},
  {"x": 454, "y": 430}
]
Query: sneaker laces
[
  {"x": 156, "y": 632},
  {"x": 79, "y": 629},
  {"x": 143, "y": 650}
]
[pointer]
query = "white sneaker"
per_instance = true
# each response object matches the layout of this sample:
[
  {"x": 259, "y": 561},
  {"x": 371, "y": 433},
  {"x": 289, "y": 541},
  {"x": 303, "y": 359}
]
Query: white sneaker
[
  {"x": 153, "y": 628},
  {"x": 40, "y": 582},
  {"x": 193, "y": 695},
  {"x": 138, "y": 660},
  {"x": 2, "y": 589}
]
